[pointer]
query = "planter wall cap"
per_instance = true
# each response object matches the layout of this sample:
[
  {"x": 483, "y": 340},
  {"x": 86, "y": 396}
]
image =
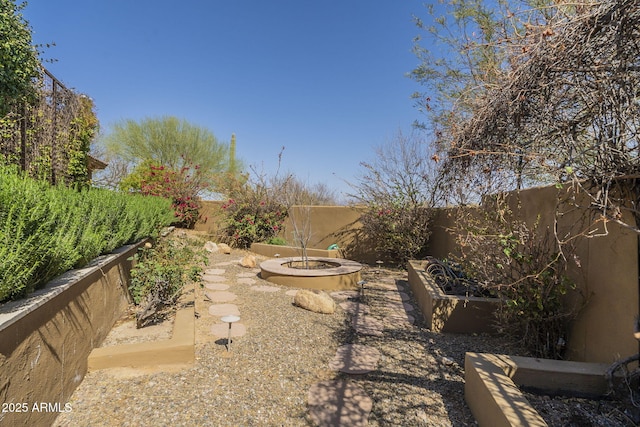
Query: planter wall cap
[
  {"x": 342, "y": 266},
  {"x": 13, "y": 311}
]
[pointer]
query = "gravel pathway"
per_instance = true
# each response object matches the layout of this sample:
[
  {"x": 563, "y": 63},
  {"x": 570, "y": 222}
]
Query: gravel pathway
[{"x": 286, "y": 351}]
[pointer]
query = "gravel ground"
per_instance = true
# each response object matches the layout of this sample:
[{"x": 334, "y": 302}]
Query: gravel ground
[{"x": 265, "y": 378}]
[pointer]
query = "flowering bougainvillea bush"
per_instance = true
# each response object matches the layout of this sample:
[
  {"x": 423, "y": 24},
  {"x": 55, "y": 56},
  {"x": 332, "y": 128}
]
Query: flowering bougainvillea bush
[
  {"x": 180, "y": 186},
  {"x": 251, "y": 221}
]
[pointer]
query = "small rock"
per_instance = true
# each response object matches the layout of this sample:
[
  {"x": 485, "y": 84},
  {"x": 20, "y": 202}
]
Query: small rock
[
  {"x": 249, "y": 261},
  {"x": 224, "y": 248},
  {"x": 316, "y": 301},
  {"x": 148, "y": 245},
  {"x": 447, "y": 361},
  {"x": 211, "y": 247}
]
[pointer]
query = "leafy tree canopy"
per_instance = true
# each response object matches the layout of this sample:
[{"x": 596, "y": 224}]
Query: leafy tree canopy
[
  {"x": 539, "y": 90},
  {"x": 19, "y": 63},
  {"x": 171, "y": 142}
]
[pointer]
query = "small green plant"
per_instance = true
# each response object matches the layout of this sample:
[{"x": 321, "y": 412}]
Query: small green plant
[
  {"x": 159, "y": 274},
  {"x": 279, "y": 241},
  {"x": 153, "y": 267}
]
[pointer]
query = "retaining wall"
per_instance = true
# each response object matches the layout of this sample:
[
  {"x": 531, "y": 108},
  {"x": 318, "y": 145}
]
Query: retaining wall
[{"x": 45, "y": 339}]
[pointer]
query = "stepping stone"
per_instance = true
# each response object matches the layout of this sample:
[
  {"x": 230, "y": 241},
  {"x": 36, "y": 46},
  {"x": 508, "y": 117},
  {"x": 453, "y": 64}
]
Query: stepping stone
[
  {"x": 397, "y": 296},
  {"x": 222, "y": 330},
  {"x": 291, "y": 293},
  {"x": 338, "y": 403},
  {"x": 354, "y": 307},
  {"x": 367, "y": 325},
  {"x": 344, "y": 295},
  {"x": 265, "y": 288},
  {"x": 246, "y": 281},
  {"x": 215, "y": 271},
  {"x": 245, "y": 275},
  {"x": 209, "y": 278},
  {"x": 216, "y": 286},
  {"x": 398, "y": 317},
  {"x": 224, "y": 310},
  {"x": 220, "y": 296},
  {"x": 355, "y": 359},
  {"x": 399, "y": 306},
  {"x": 226, "y": 263}
]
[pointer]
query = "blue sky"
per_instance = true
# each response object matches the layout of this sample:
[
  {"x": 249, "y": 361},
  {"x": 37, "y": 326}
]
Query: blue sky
[{"x": 325, "y": 79}]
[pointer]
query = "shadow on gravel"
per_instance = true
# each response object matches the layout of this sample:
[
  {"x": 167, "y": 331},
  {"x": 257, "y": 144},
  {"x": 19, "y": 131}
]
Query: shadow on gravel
[{"x": 420, "y": 376}]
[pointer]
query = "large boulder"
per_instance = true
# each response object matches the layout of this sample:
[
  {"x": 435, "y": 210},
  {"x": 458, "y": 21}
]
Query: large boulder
[{"x": 316, "y": 301}]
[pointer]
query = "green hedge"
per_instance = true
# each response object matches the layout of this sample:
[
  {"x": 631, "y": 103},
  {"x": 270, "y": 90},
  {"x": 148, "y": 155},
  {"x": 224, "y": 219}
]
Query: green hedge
[{"x": 45, "y": 231}]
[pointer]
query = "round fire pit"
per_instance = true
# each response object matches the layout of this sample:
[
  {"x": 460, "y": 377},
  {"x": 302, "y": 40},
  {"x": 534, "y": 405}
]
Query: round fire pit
[{"x": 322, "y": 273}]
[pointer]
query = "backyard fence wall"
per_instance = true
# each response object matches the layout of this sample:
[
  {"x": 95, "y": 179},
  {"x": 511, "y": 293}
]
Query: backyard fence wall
[
  {"x": 605, "y": 269},
  {"x": 607, "y": 274}
]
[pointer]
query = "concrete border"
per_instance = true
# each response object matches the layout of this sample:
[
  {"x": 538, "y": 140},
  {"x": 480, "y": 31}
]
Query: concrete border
[
  {"x": 178, "y": 350},
  {"x": 345, "y": 275},
  {"x": 491, "y": 386},
  {"x": 449, "y": 313},
  {"x": 291, "y": 251}
]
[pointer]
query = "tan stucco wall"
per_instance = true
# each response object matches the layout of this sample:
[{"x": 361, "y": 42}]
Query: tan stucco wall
[
  {"x": 607, "y": 275},
  {"x": 44, "y": 349},
  {"x": 329, "y": 225},
  {"x": 211, "y": 217}
]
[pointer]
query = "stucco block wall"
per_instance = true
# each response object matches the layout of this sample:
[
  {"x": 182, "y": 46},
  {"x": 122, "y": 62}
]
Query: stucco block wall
[
  {"x": 329, "y": 225},
  {"x": 45, "y": 339},
  {"x": 606, "y": 273}
]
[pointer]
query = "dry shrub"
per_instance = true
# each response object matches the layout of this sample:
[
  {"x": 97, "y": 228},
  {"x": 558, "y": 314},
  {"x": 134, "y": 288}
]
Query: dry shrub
[{"x": 522, "y": 264}]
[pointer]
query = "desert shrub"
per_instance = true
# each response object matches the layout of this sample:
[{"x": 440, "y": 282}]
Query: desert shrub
[
  {"x": 250, "y": 221},
  {"x": 159, "y": 274},
  {"x": 255, "y": 210},
  {"x": 276, "y": 241},
  {"x": 522, "y": 264},
  {"x": 395, "y": 192},
  {"x": 45, "y": 231},
  {"x": 397, "y": 231}
]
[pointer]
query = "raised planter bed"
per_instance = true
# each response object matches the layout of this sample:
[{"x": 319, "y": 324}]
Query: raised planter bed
[
  {"x": 492, "y": 386},
  {"x": 292, "y": 251},
  {"x": 45, "y": 338},
  {"x": 449, "y": 313}
]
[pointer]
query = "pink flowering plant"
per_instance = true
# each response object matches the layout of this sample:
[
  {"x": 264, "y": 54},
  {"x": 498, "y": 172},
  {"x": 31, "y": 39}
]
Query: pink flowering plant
[
  {"x": 180, "y": 186},
  {"x": 251, "y": 220}
]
